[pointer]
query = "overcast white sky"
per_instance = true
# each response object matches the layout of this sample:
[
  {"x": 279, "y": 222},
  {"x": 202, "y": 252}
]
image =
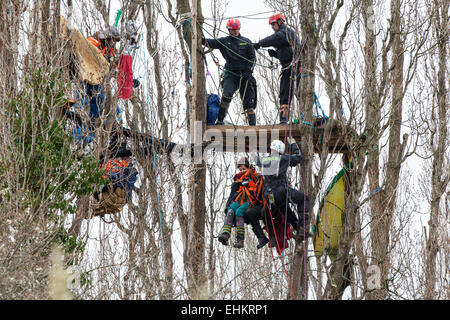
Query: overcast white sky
[{"x": 253, "y": 15}]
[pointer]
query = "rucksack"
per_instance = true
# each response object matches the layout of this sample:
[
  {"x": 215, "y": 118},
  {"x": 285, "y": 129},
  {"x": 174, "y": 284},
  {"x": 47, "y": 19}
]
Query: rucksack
[{"x": 213, "y": 106}]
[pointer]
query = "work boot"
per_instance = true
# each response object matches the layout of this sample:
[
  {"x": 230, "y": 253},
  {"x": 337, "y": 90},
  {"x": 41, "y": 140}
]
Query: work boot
[
  {"x": 283, "y": 113},
  {"x": 71, "y": 101},
  {"x": 239, "y": 241},
  {"x": 262, "y": 242},
  {"x": 259, "y": 233},
  {"x": 223, "y": 238},
  {"x": 251, "y": 116},
  {"x": 222, "y": 112}
]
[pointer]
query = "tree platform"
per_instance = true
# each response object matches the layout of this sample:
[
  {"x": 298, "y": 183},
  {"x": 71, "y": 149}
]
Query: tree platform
[{"x": 228, "y": 138}]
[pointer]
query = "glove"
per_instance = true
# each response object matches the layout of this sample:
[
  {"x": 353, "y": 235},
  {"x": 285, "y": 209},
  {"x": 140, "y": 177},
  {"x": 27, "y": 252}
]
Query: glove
[
  {"x": 272, "y": 53},
  {"x": 136, "y": 83},
  {"x": 203, "y": 41},
  {"x": 291, "y": 140},
  {"x": 256, "y": 46}
]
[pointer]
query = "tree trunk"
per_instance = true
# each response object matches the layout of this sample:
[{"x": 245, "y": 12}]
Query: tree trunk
[
  {"x": 10, "y": 17},
  {"x": 195, "y": 263},
  {"x": 373, "y": 110},
  {"x": 336, "y": 283},
  {"x": 384, "y": 203},
  {"x": 439, "y": 180},
  {"x": 153, "y": 48},
  {"x": 299, "y": 273}
]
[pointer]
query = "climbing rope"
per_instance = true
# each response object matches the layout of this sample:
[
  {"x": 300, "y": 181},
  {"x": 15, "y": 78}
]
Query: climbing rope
[
  {"x": 246, "y": 16},
  {"x": 234, "y": 52},
  {"x": 293, "y": 81}
]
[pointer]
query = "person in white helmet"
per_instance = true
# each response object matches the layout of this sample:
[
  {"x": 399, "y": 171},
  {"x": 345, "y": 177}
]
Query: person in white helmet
[{"x": 276, "y": 187}]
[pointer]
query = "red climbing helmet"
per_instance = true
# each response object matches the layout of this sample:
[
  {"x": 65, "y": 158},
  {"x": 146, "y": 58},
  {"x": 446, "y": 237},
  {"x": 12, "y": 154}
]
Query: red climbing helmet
[
  {"x": 233, "y": 24},
  {"x": 274, "y": 18}
]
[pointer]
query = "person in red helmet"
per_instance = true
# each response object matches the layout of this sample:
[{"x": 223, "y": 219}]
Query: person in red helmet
[
  {"x": 240, "y": 59},
  {"x": 287, "y": 51}
]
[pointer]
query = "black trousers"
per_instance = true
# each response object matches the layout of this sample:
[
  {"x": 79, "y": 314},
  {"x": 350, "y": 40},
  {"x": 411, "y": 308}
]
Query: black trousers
[
  {"x": 280, "y": 192},
  {"x": 246, "y": 86},
  {"x": 253, "y": 216},
  {"x": 287, "y": 84}
]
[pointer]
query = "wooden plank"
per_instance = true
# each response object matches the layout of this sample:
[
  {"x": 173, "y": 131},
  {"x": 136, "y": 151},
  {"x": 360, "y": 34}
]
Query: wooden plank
[{"x": 229, "y": 138}]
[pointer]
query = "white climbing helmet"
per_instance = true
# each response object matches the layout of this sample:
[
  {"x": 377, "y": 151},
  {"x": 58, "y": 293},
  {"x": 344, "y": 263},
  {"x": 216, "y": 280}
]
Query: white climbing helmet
[{"x": 278, "y": 146}]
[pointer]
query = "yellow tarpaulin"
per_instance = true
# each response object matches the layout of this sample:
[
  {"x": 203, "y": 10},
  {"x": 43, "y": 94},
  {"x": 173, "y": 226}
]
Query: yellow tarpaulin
[{"x": 328, "y": 227}]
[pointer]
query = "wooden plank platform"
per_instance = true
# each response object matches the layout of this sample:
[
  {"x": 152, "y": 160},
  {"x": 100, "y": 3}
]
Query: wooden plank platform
[{"x": 229, "y": 138}]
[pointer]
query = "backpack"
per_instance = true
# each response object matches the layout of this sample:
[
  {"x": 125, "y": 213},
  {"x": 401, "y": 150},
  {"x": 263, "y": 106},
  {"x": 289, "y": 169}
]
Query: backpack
[{"x": 213, "y": 106}]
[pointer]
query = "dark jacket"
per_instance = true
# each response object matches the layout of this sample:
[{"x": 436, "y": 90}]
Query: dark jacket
[
  {"x": 283, "y": 40},
  {"x": 231, "y": 49},
  {"x": 274, "y": 167}
]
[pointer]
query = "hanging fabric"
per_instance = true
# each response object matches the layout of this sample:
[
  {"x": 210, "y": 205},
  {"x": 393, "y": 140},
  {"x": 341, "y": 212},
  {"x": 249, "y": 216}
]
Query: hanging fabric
[{"x": 125, "y": 78}]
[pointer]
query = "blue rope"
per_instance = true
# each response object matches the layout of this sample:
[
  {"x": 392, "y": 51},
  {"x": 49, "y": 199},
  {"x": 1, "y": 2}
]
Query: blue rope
[
  {"x": 304, "y": 122},
  {"x": 324, "y": 116},
  {"x": 185, "y": 33},
  {"x": 342, "y": 111},
  {"x": 190, "y": 72},
  {"x": 319, "y": 106},
  {"x": 374, "y": 191}
]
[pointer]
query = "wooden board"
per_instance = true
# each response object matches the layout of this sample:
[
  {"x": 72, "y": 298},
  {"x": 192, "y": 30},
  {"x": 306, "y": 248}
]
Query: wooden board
[
  {"x": 92, "y": 65},
  {"x": 229, "y": 138}
]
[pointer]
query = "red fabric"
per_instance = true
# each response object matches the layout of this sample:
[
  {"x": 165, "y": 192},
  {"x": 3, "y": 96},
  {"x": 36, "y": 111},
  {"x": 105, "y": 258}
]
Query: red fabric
[
  {"x": 125, "y": 78},
  {"x": 279, "y": 224}
]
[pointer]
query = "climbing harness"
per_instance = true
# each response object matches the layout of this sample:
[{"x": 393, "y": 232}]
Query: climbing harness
[{"x": 251, "y": 186}]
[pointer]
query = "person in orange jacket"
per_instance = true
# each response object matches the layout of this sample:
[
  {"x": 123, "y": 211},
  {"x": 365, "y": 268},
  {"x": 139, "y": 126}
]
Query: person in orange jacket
[
  {"x": 105, "y": 41},
  {"x": 246, "y": 191}
]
